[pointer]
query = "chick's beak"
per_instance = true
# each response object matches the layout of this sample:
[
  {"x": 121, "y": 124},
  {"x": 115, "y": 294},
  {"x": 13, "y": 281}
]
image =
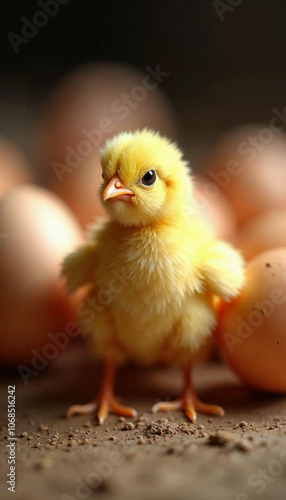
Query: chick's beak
[{"x": 116, "y": 189}]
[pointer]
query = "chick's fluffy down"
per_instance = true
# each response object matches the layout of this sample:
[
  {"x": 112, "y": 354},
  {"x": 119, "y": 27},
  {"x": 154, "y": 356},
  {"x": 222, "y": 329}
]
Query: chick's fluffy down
[
  {"x": 151, "y": 295},
  {"x": 152, "y": 282}
]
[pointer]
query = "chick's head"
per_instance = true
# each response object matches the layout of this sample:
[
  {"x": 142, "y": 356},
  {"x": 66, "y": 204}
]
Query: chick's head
[{"x": 145, "y": 179}]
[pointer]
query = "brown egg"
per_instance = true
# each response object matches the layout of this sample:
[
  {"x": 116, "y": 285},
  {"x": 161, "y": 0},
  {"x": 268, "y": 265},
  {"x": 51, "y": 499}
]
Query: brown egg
[
  {"x": 262, "y": 233},
  {"x": 251, "y": 334},
  {"x": 79, "y": 189},
  {"x": 14, "y": 170},
  {"x": 214, "y": 207},
  {"x": 36, "y": 231},
  {"x": 89, "y": 106},
  {"x": 249, "y": 165}
]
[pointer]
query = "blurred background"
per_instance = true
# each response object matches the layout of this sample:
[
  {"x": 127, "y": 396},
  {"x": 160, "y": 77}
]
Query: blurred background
[
  {"x": 222, "y": 73},
  {"x": 209, "y": 74}
]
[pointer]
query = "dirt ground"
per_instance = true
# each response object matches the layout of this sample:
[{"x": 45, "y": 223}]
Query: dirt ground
[{"x": 241, "y": 456}]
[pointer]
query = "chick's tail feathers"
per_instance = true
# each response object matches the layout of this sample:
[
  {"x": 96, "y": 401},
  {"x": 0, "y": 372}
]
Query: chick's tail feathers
[{"x": 78, "y": 267}]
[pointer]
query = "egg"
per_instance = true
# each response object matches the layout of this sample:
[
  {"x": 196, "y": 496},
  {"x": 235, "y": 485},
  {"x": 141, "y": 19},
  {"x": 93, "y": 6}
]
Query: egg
[
  {"x": 251, "y": 333},
  {"x": 36, "y": 231},
  {"x": 14, "y": 169},
  {"x": 96, "y": 101},
  {"x": 262, "y": 233},
  {"x": 79, "y": 189},
  {"x": 249, "y": 165},
  {"x": 90, "y": 105},
  {"x": 214, "y": 207}
]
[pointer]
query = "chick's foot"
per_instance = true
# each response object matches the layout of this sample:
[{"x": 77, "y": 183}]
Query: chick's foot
[
  {"x": 81, "y": 409},
  {"x": 105, "y": 402},
  {"x": 103, "y": 405},
  {"x": 188, "y": 402}
]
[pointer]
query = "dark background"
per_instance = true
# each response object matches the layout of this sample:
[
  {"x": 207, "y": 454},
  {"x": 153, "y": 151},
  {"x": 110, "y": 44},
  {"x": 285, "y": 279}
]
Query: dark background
[{"x": 222, "y": 73}]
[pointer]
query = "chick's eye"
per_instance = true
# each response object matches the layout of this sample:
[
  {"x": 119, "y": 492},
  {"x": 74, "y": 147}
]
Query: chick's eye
[
  {"x": 102, "y": 175},
  {"x": 149, "y": 178}
]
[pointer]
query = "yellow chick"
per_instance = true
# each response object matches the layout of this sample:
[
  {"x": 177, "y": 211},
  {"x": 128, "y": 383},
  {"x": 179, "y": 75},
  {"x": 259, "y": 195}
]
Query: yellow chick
[{"x": 153, "y": 269}]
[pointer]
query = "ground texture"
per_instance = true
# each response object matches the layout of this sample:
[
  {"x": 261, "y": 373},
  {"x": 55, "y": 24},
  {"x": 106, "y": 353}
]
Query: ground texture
[{"x": 241, "y": 456}]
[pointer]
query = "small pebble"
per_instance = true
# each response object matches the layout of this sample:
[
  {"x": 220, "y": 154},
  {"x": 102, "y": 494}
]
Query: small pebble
[
  {"x": 43, "y": 464},
  {"x": 128, "y": 426},
  {"x": 204, "y": 434},
  {"x": 221, "y": 438},
  {"x": 172, "y": 450},
  {"x": 72, "y": 442},
  {"x": 43, "y": 427},
  {"x": 243, "y": 424},
  {"x": 85, "y": 441},
  {"x": 244, "y": 446}
]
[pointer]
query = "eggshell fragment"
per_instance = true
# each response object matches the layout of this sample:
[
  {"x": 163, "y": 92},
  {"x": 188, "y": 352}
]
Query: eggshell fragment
[
  {"x": 251, "y": 334},
  {"x": 36, "y": 231},
  {"x": 262, "y": 233}
]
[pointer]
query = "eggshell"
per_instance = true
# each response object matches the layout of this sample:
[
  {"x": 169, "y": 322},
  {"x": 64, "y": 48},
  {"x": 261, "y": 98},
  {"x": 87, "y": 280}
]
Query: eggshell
[
  {"x": 214, "y": 207},
  {"x": 249, "y": 165},
  {"x": 92, "y": 104},
  {"x": 36, "y": 231},
  {"x": 262, "y": 233},
  {"x": 14, "y": 169},
  {"x": 251, "y": 334}
]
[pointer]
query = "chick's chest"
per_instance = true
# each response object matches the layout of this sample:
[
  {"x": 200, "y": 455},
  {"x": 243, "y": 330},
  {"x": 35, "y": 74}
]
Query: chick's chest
[{"x": 155, "y": 268}]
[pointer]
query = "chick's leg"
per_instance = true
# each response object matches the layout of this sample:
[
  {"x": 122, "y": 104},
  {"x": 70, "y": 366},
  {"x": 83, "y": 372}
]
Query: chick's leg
[
  {"x": 105, "y": 400},
  {"x": 188, "y": 401}
]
